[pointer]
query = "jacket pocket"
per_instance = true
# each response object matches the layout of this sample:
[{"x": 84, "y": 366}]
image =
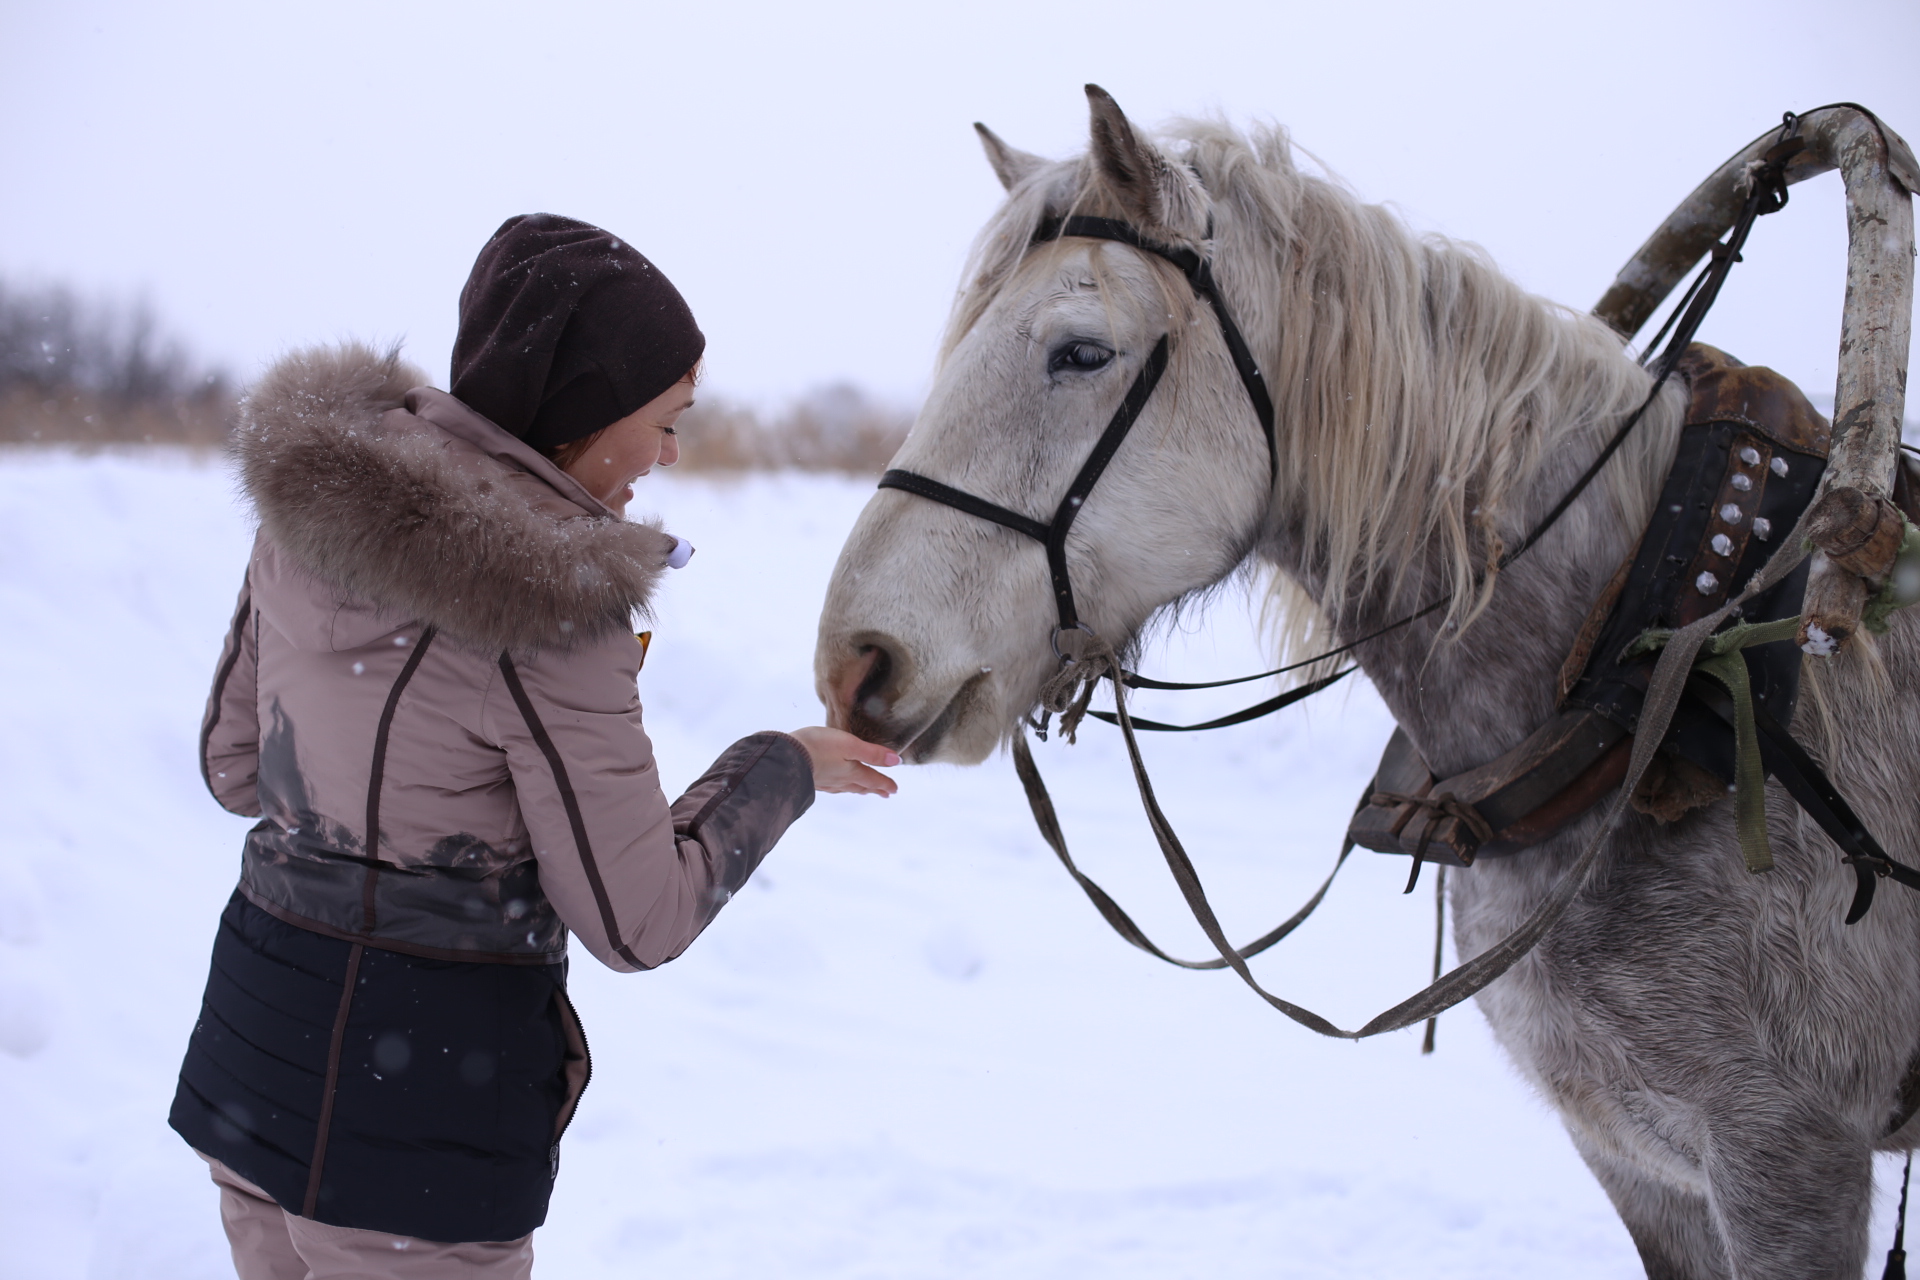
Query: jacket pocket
[{"x": 577, "y": 1068}]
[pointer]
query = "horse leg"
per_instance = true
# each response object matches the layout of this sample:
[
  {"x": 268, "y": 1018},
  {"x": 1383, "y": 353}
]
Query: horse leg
[
  {"x": 1673, "y": 1228},
  {"x": 1791, "y": 1197}
]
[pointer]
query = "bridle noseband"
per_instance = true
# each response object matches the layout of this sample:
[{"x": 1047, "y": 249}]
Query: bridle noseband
[{"x": 1053, "y": 534}]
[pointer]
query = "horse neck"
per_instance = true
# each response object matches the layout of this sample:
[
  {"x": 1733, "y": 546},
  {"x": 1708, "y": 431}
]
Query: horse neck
[{"x": 1467, "y": 694}]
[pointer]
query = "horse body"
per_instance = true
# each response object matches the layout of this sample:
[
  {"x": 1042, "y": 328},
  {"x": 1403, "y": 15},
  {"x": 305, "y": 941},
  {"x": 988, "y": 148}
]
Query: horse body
[{"x": 1725, "y": 1052}]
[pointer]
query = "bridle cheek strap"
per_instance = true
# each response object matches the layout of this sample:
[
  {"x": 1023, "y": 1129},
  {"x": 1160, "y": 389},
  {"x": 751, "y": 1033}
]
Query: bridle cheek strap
[{"x": 1053, "y": 535}]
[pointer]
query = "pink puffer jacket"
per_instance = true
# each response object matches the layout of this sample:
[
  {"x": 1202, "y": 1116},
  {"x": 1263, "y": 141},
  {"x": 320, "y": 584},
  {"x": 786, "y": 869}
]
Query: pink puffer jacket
[{"x": 428, "y": 693}]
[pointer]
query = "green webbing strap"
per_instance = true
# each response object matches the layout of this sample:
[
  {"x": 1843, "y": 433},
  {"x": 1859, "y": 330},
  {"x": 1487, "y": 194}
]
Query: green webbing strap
[
  {"x": 1720, "y": 659},
  {"x": 1901, "y": 588},
  {"x": 1749, "y": 774}
]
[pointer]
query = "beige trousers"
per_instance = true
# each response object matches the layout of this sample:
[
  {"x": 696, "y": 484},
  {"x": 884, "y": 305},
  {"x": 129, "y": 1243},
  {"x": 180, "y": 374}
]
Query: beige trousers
[{"x": 271, "y": 1244}]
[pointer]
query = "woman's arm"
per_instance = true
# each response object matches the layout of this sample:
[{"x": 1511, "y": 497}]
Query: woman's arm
[
  {"x": 230, "y": 730},
  {"x": 635, "y": 877}
]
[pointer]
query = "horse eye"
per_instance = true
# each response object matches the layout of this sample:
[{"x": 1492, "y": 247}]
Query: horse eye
[{"x": 1082, "y": 357}]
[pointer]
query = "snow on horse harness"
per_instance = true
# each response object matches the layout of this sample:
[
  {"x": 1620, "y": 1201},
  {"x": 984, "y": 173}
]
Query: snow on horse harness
[{"x": 1750, "y": 457}]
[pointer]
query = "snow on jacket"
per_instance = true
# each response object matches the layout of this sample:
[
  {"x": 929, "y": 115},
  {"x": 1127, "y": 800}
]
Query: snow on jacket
[{"x": 428, "y": 692}]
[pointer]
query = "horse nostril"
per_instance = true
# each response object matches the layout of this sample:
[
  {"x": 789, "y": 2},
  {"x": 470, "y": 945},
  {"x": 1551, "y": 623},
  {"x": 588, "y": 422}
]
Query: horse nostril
[
  {"x": 863, "y": 688},
  {"x": 870, "y": 697}
]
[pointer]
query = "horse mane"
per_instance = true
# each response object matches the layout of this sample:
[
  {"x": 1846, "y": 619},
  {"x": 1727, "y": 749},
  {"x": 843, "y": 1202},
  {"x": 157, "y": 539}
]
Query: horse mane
[{"x": 1417, "y": 389}]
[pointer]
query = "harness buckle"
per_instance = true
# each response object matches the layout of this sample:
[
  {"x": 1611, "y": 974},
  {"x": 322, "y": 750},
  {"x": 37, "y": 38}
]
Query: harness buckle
[{"x": 1067, "y": 660}]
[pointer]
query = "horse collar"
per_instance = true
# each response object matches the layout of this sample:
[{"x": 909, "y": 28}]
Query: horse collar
[{"x": 1749, "y": 460}]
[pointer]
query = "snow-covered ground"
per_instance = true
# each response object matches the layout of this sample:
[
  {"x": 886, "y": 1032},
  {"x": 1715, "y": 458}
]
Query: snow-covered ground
[{"x": 908, "y": 1049}]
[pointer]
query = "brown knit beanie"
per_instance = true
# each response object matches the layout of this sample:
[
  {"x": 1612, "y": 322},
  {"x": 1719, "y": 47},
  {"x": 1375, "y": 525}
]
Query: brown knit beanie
[{"x": 565, "y": 330}]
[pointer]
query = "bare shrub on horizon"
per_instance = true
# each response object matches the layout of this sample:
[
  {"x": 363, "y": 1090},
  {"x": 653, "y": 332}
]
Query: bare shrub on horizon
[
  {"x": 90, "y": 374},
  {"x": 75, "y": 373},
  {"x": 76, "y": 419},
  {"x": 836, "y": 428}
]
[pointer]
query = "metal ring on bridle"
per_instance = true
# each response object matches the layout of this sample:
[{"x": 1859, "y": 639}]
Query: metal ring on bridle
[{"x": 1053, "y": 639}]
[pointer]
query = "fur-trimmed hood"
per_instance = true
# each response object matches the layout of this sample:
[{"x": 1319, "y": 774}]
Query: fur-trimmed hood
[{"x": 400, "y": 495}]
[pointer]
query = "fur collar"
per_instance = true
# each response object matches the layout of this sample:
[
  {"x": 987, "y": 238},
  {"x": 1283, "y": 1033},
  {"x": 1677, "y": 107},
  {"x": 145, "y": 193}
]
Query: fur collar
[{"x": 400, "y": 495}]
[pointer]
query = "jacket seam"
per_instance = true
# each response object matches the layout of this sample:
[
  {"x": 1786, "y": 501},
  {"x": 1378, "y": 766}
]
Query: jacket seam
[
  {"x": 571, "y": 803},
  {"x": 377, "y": 774},
  {"x": 486, "y": 701},
  {"x": 331, "y": 1085},
  {"x": 227, "y": 1027},
  {"x": 212, "y": 1107},
  {"x": 527, "y": 959}
]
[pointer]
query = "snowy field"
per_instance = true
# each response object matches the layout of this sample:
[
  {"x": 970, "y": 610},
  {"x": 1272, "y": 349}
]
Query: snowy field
[{"x": 908, "y": 1049}]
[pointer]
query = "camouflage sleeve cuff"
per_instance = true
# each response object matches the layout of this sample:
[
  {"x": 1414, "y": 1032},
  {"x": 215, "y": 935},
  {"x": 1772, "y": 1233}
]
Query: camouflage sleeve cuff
[{"x": 741, "y": 806}]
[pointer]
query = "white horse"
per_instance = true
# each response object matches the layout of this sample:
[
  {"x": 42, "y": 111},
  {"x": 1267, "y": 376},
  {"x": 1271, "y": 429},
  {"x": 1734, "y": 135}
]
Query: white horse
[{"x": 1726, "y": 1054}]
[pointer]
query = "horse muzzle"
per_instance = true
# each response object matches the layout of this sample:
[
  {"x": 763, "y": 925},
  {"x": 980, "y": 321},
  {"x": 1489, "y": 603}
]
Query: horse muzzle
[{"x": 873, "y": 689}]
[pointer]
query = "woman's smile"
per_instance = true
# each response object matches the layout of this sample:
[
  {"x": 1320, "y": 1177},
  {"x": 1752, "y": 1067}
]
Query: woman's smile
[{"x": 607, "y": 463}]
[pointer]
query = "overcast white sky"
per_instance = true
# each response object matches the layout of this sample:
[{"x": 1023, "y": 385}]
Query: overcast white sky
[{"x": 270, "y": 175}]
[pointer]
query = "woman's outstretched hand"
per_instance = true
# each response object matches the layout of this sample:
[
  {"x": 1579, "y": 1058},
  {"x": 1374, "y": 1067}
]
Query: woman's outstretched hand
[{"x": 841, "y": 762}]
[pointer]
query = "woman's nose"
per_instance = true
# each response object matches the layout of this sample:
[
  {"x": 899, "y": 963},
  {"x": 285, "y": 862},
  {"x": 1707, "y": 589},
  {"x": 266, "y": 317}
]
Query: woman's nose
[{"x": 669, "y": 448}]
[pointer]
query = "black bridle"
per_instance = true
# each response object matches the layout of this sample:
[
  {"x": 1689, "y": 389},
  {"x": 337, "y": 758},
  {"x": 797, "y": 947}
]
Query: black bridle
[{"x": 1053, "y": 534}]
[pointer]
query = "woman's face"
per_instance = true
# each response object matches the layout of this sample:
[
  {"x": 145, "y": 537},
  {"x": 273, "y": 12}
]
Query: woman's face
[{"x": 632, "y": 447}]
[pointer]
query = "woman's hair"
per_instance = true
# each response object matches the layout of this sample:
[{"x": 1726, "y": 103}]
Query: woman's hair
[{"x": 566, "y": 454}]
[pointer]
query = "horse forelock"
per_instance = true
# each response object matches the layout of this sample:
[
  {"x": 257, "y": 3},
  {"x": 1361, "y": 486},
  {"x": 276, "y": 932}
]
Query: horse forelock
[{"x": 1417, "y": 388}]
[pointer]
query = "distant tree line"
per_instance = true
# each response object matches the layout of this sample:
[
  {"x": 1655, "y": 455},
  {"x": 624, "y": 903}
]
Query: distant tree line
[
  {"x": 75, "y": 372},
  {"x": 835, "y": 428}
]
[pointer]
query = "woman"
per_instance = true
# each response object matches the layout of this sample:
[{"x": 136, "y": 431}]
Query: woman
[{"x": 428, "y": 698}]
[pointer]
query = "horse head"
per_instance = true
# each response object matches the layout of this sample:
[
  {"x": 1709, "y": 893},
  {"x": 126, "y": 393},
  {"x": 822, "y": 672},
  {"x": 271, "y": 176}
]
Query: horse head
[{"x": 935, "y": 633}]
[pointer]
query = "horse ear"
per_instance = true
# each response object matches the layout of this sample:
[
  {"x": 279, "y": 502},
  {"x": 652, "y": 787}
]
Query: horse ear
[
  {"x": 1010, "y": 164},
  {"x": 1157, "y": 196}
]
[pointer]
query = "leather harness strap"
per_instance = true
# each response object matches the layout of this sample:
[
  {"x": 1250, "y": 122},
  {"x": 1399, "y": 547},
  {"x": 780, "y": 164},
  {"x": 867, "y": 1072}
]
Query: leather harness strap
[
  {"x": 1241, "y": 716},
  {"x": 1048, "y": 821}
]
